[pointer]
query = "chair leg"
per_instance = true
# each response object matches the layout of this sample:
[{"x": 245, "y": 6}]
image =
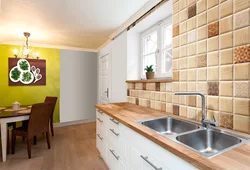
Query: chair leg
[
  {"x": 13, "y": 142},
  {"x": 29, "y": 147},
  {"x": 8, "y": 141},
  {"x": 52, "y": 126},
  {"x": 48, "y": 140},
  {"x": 35, "y": 140}
]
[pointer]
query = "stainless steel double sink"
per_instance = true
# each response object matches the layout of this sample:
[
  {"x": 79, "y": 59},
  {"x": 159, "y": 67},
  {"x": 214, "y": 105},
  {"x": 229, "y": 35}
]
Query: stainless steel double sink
[{"x": 208, "y": 142}]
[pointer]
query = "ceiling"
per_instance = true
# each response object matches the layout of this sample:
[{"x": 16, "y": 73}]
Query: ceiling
[{"x": 73, "y": 23}]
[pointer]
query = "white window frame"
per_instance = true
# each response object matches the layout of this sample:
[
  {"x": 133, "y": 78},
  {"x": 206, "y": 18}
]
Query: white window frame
[{"x": 159, "y": 57}]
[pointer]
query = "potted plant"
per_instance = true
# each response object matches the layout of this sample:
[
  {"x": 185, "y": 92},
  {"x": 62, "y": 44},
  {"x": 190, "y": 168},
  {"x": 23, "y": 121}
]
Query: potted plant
[{"x": 150, "y": 74}]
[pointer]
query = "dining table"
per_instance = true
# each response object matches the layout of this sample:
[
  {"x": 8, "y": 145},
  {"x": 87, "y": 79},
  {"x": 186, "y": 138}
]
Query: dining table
[{"x": 8, "y": 115}]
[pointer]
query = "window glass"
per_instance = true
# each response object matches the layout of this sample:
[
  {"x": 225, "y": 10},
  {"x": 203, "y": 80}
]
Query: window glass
[{"x": 150, "y": 43}]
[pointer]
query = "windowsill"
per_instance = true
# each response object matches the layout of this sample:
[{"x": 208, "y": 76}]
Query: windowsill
[{"x": 150, "y": 81}]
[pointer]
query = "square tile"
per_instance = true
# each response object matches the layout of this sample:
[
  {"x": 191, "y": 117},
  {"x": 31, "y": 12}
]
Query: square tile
[
  {"x": 131, "y": 85},
  {"x": 143, "y": 86},
  {"x": 202, "y": 33},
  {"x": 157, "y": 86},
  {"x": 226, "y": 120},
  {"x": 201, "y": 46},
  {"x": 191, "y": 23},
  {"x": 191, "y": 62},
  {"x": 226, "y": 72},
  {"x": 157, "y": 105},
  {"x": 226, "y": 8},
  {"x": 226, "y": 24},
  {"x": 192, "y": 86},
  {"x": 150, "y": 86},
  {"x": 213, "y": 73},
  {"x": 201, "y": 6},
  {"x": 242, "y": 19},
  {"x": 226, "y": 104},
  {"x": 176, "y": 64},
  {"x": 175, "y": 87},
  {"x": 213, "y": 59},
  {"x": 191, "y": 49},
  {"x": 241, "y": 4},
  {"x": 157, "y": 96},
  {"x": 242, "y": 71},
  {"x": 169, "y": 108},
  {"x": 183, "y": 51},
  {"x": 242, "y": 54},
  {"x": 202, "y": 19},
  {"x": 176, "y": 30},
  {"x": 183, "y": 86},
  {"x": 152, "y": 104},
  {"x": 183, "y": 39},
  {"x": 128, "y": 92},
  {"x": 175, "y": 42},
  {"x": 176, "y": 110},
  {"x": 138, "y": 86},
  {"x": 140, "y": 93},
  {"x": 183, "y": 27},
  {"x": 213, "y": 29},
  {"x": 152, "y": 95},
  {"x": 163, "y": 106},
  {"x": 213, "y": 88},
  {"x": 213, "y": 14},
  {"x": 137, "y": 101},
  {"x": 242, "y": 106},
  {"x": 176, "y": 76},
  {"x": 183, "y": 111},
  {"x": 242, "y": 89},
  {"x": 169, "y": 87},
  {"x": 201, "y": 61},
  {"x": 163, "y": 87},
  {"x": 191, "y": 113},
  {"x": 163, "y": 96},
  {"x": 211, "y": 3},
  {"x": 183, "y": 75},
  {"x": 192, "y": 101},
  {"x": 175, "y": 99},
  {"x": 169, "y": 97},
  {"x": 192, "y": 11},
  {"x": 175, "y": 7},
  {"x": 183, "y": 15},
  {"x": 202, "y": 74},
  {"x": 212, "y": 103},
  {"x": 213, "y": 44},
  {"x": 182, "y": 4},
  {"x": 183, "y": 100},
  {"x": 226, "y": 56},
  {"x": 175, "y": 53},
  {"x": 242, "y": 36},
  {"x": 226, "y": 88},
  {"x": 226, "y": 40},
  {"x": 191, "y": 75},
  {"x": 190, "y": 2},
  {"x": 241, "y": 123},
  {"x": 175, "y": 19},
  {"x": 192, "y": 36},
  {"x": 198, "y": 115},
  {"x": 211, "y": 114}
]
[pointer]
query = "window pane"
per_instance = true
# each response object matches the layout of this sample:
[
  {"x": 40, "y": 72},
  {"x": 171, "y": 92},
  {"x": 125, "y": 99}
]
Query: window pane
[
  {"x": 167, "y": 60},
  {"x": 167, "y": 34},
  {"x": 149, "y": 60},
  {"x": 150, "y": 43}
]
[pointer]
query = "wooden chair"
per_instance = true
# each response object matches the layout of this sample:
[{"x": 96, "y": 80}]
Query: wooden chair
[
  {"x": 53, "y": 100},
  {"x": 38, "y": 123}
]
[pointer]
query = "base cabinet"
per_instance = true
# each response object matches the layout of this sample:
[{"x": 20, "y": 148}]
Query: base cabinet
[{"x": 124, "y": 149}]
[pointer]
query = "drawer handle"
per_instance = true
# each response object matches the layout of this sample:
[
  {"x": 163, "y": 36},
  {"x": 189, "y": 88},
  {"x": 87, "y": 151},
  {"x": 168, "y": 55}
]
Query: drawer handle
[
  {"x": 112, "y": 130},
  {"x": 115, "y": 121},
  {"x": 99, "y": 136},
  {"x": 150, "y": 163},
  {"x": 100, "y": 120},
  {"x": 113, "y": 153}
]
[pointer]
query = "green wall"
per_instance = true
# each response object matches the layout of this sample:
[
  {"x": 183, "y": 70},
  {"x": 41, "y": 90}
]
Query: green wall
[{"x": 27, "y": 95}]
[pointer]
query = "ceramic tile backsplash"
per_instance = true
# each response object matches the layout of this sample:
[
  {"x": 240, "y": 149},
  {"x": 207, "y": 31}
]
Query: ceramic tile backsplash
[{"x": 211, "y": 54}]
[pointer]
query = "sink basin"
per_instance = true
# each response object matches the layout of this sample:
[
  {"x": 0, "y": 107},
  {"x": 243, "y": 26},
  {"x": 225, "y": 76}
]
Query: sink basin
[
  {"x": 169, "y": 125},
  {"x": 209, "y": 142}
]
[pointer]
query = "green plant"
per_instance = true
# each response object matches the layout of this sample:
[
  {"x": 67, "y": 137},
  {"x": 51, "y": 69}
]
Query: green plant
[
  {"x": 149, "y": 68},
  {"x": 26, "y": 77},
  {"x": 15, "y": 74},
  {"x": 24, "y": 65}
]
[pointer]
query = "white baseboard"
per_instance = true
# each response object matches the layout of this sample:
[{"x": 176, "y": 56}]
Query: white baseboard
[{"x": 62, "y": 124}]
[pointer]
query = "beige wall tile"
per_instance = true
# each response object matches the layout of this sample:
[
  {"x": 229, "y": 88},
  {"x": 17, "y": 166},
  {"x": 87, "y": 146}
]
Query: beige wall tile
[
  {"x": 183, "y": 100},
  {"x": 183, "y": 39},
  {"x": 157, "y": 105},
  {"x": 202, "y": 33},
  {"x": 213, "y": 44},
  {"x": 140, "y": 93},
  {"x": 169, "y": 97},
  {"x": 183, "y": 111},
  {"x": 226, "y": 72},
  {"x": 152, "y": 104},
  {"x": 213, "y": 14},
  {"x": 192, "y": 36},
  {"x": 201, "y": 60},
  {"x": 183, "y": 75},
  {"x": 202, "y": 74},
  {"x": 152, "y": 95},
  {"x": 226, "y": 88},
  {"x": 176, "y": 19},
  {"x": 211, "y": 3},
  {"x": 183, "y": 63},
  {"x": 226, "y": 56},
  {"x": 242, "y": 36},
  {"x": 183, "y": 86},
  {"x": 176, "y": 64},
  {"x": 198, "y": 115},
  {"x": 163, "y": 96},
  {"x": 242, "y": 89},
  {"x": 226, "y": 120},
  {"x": 175, "y": 7},
  {"x": 183, "y": 27},
  {"x": 202, "y": 87},
  {"x": 191, "y": 49},
  {"x": 175, "y": 99},
  {"x": 191, "y": 113},
  {"x": 191, "y": 62},
  {"x": 183, "y": 15},
  {"x": 226, "y": 8},
  {"x": 211, "y": 113},
  {"x": 191, "y": 23},
  {"x": 163, "y": 87},
  {"x": 242, "y": 19},
  {"x": 191, "y": 75},
  {"x": 241, "y": 4},
  {"x": 226, "y": 24},
  {"x": 213, "y": 58},
  {"x": 241, "y": 123},
  {"x": 169, "y": 87},
  {"x": 183, "y": 51},
  {"x": 226, "y": 40},
  {"x": 241, "y": 106},
  {"x": 158, "y": 96},
  {"x": 201, "y": 6},
  {"x": 169, "y": 108},
  {"x": 190, "y": 2},
  {"x": 226, "y": 104},
  {"x": 182, "y": 4},
  {"x": 202, "y": 19},
  {"x": 175, "y": 53},
  {"x": 213, "y": 73},
  {"x": 201, "y": 47},
  {"x": 175, "y": 42},
  {"x": 146, "y": 94},
  {"x": 192, "y": 86},
  {"x": 175, "y": 87},
  {"x": 242, "y": 71},
  {"x": 212, "y": 103}
]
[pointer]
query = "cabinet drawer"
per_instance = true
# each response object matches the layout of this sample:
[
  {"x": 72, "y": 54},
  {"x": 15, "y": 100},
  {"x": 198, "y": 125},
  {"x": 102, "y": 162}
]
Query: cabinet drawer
[
  {"x": 101, "y": 145},
  {"x": 115, "y": 160},
  {"x": 100, "y": 114}
]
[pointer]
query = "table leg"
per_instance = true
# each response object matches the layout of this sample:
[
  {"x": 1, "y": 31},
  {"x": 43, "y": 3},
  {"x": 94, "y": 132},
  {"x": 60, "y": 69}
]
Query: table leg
[{"x": 4, "y": 140}]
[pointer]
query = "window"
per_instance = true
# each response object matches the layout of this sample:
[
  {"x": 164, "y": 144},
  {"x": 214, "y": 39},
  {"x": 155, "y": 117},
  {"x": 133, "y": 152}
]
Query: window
[{"x": 156, "y": 49}]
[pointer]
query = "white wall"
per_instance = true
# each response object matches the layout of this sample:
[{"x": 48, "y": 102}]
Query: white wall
[{"x": 78, "y": 85}]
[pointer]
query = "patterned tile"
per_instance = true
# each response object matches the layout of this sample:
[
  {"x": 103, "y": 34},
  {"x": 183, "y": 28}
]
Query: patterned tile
[
  {"x": 176, "y": 76},
  {"x": 176, "y": 110},
  {"x": 157, "y": 86},
  {"x": 201, "y": 61},
  {"x": 163, "y": 106},
  {"x": 226, "y": 120},
  {"x": 137, "y": 101},
  {"x": 128, "y": 94},
  {"x": 192, "y": 101},
  {"x": 242, "y": 89},
  {"x": 192, "y": 11},
  {"x": 176, "y": 30},
  {"x": 213, "y": 88},
  {"x": 213, "y": 29},
  {"x": 242, "y": 19},
  {"x": 143, "y": 86},
  {"x": 242, "y": 54}
]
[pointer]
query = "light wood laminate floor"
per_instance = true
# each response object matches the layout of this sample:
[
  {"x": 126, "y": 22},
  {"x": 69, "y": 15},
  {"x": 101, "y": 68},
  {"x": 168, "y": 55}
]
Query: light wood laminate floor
[{"x": 73, "y": 148}]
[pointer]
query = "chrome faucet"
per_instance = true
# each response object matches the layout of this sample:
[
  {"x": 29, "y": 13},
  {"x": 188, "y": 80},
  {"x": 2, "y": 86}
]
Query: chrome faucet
[{"x": 205, "y": 122}]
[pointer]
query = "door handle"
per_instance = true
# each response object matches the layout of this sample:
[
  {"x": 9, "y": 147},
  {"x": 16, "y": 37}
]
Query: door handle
[{"x": 107, "y": 92}]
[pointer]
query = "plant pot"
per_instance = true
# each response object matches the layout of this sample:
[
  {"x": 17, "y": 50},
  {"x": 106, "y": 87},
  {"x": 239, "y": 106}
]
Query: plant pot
[{"x": 150, "y": 75}]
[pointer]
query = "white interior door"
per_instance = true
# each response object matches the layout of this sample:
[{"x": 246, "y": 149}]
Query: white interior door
[{"x": 104, "y": 79}]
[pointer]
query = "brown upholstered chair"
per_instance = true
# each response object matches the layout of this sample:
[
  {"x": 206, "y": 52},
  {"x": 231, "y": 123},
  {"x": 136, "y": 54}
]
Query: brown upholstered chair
[
  {"x": 38, "y": 123},
  {"x": 53, "y": 100}
]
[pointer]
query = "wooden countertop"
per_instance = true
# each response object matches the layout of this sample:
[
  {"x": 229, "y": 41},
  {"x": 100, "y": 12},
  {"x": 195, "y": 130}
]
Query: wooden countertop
[
  {"x": 150, "y": 81},
  {"x": 127, "y": 114}
]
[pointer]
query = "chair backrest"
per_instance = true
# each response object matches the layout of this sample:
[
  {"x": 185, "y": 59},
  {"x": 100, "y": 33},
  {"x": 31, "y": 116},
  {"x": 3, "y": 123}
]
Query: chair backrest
[
  {"x": 39, "y": 118},
  {"x": 53, "y": 100}
]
